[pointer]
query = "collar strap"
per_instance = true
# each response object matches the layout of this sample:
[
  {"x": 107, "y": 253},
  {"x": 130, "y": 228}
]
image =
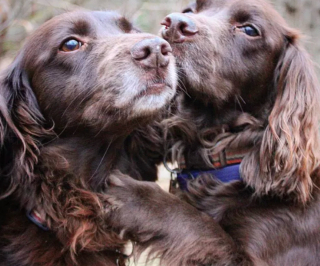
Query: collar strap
[
  {"x": 37, "y": 219},
  {"x": 223, "y": 158},
  {"x": 228, "y": 157},
  {"x": 226, "y": 168},
  {"x": 225, "y": 175}
]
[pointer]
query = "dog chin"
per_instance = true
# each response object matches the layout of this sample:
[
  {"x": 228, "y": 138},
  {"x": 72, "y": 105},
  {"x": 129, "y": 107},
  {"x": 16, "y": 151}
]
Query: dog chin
[{"x": 152, "y": 103}]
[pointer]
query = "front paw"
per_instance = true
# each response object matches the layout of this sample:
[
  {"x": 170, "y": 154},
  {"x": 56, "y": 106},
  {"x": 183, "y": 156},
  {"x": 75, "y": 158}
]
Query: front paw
[
  {"x": 122, "y": 190},
  {"x": 138, "y": 208},
  {"x": 119, "y": 190},
  {"x": 130, "y": 202}
]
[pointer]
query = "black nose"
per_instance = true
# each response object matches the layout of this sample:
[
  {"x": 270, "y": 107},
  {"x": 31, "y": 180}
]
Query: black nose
[
  {"x": 178, "y": 28},
  {"x": 152, "y": 53}
]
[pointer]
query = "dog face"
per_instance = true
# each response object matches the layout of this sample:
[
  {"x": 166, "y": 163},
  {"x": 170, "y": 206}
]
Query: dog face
[
  {"x": 94, "y": 69},
  {"x": 81, "y": 74},
  {"x": 227, "y": 48}
]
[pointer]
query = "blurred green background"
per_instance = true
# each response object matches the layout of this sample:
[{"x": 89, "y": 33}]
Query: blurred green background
[{"x": 18, "y": 18}]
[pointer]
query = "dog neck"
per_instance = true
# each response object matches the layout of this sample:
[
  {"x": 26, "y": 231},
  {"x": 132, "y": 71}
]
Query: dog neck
[{"x": 204, "y": 132}]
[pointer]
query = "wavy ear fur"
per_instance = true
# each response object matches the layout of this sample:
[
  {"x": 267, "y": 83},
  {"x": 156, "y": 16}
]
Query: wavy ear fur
[
  {"x": 21, "y": 129},
  {"x": 290, "y": 145}
]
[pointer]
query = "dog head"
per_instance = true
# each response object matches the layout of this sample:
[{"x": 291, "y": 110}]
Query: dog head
[{"x": 84, "y": 73}]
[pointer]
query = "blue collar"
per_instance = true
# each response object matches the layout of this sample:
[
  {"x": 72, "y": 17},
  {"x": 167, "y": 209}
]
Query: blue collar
[{"x": 225, "y": 175}]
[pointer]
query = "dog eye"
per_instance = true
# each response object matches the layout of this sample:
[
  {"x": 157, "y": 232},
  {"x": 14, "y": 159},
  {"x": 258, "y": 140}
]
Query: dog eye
[
  {"x": 187, "y": 10},
  {"x": 71, "y": 45},
  {"x": 250, "y": 30}
]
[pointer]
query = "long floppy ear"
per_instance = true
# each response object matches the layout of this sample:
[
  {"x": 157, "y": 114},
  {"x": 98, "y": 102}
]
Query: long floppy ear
[
  {"x": 289, "y": 152},
  {"x": 21, "y": 129}
]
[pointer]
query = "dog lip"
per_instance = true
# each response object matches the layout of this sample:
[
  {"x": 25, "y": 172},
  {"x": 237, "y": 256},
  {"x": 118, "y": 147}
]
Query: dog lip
[
  {"x": 153, "y": 89},
  {"x": 156, "y": 88}
]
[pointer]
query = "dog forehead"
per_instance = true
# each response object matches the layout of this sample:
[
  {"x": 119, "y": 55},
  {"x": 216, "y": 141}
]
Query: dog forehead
[
  {"x": 78, "y": 23},
  {"x": 108, "y": 21},
  {"x": 88, "y": 23},
  {"x": 226, "y": 3},
  {"x": 259, "y": 12},
  {"x": 261, "y": 8}
]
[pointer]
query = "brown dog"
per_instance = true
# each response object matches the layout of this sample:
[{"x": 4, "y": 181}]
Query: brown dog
[
  {"x": 71, "y": 106},
  {"x": 251, "y": 89}
]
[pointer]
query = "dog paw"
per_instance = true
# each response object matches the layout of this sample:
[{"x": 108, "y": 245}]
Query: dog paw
[{"x": 130, "y": 202}]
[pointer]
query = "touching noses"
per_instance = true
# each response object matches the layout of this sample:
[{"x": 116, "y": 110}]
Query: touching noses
[
  {"x": 152, "y": 53},
  {"x": 178, "y": 28}
]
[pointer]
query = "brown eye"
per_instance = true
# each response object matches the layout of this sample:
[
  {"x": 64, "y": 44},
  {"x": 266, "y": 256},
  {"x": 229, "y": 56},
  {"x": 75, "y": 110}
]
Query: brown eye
[{"x": 71, "y": 45}]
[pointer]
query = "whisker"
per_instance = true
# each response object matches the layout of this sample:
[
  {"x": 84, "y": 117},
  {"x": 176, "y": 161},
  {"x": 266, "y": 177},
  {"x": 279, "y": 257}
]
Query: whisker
[{"x": 104, "y": 155}]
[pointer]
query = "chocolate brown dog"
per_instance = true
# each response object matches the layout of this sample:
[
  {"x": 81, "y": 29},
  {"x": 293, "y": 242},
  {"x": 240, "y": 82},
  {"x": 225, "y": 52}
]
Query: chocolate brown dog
[
  {"x": 74, "y": 106},
  {"x": 251, "y": 90}
]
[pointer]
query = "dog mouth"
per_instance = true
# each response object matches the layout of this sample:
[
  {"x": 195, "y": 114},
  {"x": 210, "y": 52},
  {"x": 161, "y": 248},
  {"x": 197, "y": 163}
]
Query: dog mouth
[
  {"x": 154, "y": 89},
  {"x": 152, "y": 97}
]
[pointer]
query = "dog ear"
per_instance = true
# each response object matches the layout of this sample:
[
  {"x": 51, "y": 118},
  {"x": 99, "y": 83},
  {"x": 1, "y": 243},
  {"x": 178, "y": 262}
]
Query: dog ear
[
  {"x": 290, "y": 145},
  {"x": 21, "y": 129}
]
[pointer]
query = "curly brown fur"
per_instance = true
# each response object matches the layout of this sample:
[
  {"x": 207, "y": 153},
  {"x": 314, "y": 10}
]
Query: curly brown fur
[
  {"x": 68, "y": 119},
  {"x": 238, "y": 91}
]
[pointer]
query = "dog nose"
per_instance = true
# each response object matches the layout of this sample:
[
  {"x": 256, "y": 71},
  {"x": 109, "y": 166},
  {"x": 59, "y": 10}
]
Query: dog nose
[
  {"x": 152, "y": 53},
  {"x": 178, "y": 28}
]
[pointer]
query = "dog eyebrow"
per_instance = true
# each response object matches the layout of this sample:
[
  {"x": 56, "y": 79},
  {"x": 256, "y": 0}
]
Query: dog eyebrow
[
  {"x": 124, "y": 24},
  {"x": 242, "y": 15},
  {"x": 81, "y": 27}
]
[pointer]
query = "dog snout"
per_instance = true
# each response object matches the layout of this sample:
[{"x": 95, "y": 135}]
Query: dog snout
[
  {"x": 152, "y": 53},
  {"x": 178, "y": 28}
]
